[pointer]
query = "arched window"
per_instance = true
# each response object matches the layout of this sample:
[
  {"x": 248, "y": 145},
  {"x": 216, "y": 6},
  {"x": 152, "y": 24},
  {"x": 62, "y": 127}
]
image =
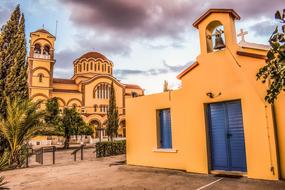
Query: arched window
[
  {"x": 79, "y": 68},
  {"x": 98, "y": 66},
  {"x": 134, "y": 94},
  {"x": 41, "y": 76},
  {"x": 46, "y": 50},
  {"x": 108, "y": 69},
  {"x": 95, "y": 108},
  {"x": 91, "y": 66},
  {"x": 95, "y": 67},
  {"x": 102, "y": 91},
  {"x": 84, "y": 66},
  {"x": 87, "y": 67},
  {"x": 37, "y": 49},
  {"x": 75, "y": 68}
]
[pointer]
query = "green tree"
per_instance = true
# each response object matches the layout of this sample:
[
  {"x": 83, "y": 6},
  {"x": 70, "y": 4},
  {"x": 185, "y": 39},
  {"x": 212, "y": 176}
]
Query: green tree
[
  {"x": 52, "y": 111},
  {"x": 52, "y": 118},
  {"x": 72, "y": 124},
  {"x": 7, "y": 51},
  {"x": 112, "y": 115},
  {"x": 16, "y": 81},
  {"x": 22, "y": 121},
  {"x": 274, "y": 69}
]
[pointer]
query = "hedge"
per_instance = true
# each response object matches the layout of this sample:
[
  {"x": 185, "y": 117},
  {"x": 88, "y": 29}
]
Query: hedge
[{"x": 104, "y": 149}]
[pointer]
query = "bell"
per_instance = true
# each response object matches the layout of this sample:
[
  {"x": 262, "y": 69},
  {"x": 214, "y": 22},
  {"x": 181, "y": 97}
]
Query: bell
[{"x": 219, "y": 42}]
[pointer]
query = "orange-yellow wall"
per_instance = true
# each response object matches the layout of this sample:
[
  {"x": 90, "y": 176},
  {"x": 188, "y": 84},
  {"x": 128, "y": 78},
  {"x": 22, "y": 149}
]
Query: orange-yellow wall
[
  {"x": 218, "y": 72},
  {"x": 280, "y": 121}
]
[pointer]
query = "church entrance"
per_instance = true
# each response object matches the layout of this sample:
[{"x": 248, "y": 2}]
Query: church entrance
[{"x": 226, "y": 136}]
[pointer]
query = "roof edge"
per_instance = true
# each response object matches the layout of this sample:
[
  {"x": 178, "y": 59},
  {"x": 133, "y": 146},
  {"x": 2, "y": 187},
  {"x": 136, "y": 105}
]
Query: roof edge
[
  {"x": 210, "y": 11},
  {"x": 187, "y": 70}
]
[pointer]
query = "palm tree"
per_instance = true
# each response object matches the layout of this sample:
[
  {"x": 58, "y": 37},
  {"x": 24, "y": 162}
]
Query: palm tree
[
  {"x": 22, "y": 121},
  {"x": 3, "y": 162}
]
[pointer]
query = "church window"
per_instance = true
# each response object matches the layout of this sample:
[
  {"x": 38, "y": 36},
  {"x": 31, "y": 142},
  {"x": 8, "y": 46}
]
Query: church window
[
  {"x": 108, "y": 69},
  {"x": 164, "y": 128},
  {"x": 79, "y": 68},
  {"x": 87, "y": 66},
  {"x": 75, "y": 68},
  {"x": 37, "y": 49},
  {"x": 95, "y": 108},
  {"x": 41, "y": 76},
  {"x": 98, "y": 66},
  {"x": 84, "y": 66},
  {"x": 134, "y": 94},
  {"x": 46, "y": 50},
  {"x": 91, "y": 66},
  {"x": 95, "y": 66}
]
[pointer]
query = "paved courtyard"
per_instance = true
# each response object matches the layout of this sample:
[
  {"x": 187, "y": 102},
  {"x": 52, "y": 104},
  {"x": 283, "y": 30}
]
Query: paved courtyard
[{"x": 101, "y": 173}]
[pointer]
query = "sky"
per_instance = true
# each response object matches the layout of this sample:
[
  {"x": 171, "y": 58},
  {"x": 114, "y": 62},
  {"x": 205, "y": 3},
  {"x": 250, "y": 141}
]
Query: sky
[{"x": 148, "y": 41}]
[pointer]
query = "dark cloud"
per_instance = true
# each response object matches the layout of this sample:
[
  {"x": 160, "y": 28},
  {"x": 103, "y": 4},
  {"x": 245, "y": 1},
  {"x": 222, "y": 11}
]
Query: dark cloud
[
  {"x": 131, "y": 19},
  {"x": 264, "y": 28},
  {"x": 152, "y": 19}
]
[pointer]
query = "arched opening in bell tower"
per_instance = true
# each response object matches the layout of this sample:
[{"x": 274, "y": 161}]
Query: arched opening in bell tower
[{"x": 215, "y": 38}]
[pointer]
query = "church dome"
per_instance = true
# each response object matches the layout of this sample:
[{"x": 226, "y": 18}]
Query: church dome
[
  {"x": 93, "y": 63},
  {"x": 95, "y": 55}
]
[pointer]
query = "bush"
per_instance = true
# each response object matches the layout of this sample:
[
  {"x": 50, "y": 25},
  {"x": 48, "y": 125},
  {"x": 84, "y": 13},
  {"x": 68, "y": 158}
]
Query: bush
[{"x": 104, "y": 149}]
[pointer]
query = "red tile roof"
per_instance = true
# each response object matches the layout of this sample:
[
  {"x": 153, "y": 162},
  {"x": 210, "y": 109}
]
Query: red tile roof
[
  {"x": 64, "y": 81},
  {"x": 43, "y": 31},
  {"x": 133, "y": 86},
  {"x": 94, "y": 55}
]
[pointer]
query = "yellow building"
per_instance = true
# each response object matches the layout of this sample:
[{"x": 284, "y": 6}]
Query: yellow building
[
  {"x": 89, "y": 88},
  {"x": 218, "y": 121}
]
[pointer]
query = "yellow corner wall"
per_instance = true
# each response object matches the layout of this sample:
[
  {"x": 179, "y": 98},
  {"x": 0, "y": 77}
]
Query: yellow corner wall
[{"x": 220, "y": 72}]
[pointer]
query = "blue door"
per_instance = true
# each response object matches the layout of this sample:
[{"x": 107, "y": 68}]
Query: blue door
[
  {"x": 165, "y": 128},
  {"x": 227, "y": 136}
]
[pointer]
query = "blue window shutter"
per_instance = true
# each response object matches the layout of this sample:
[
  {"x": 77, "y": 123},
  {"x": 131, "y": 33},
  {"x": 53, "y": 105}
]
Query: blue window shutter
[{"x": 165, "y": 129}]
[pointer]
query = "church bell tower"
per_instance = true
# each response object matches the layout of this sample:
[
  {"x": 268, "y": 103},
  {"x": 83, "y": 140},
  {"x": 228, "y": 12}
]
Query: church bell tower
[{"x": 40, "y": 64}]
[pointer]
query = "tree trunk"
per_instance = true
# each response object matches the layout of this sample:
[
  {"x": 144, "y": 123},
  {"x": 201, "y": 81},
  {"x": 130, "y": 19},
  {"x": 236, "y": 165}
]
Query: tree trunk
[{"x": 66, "y": 142}]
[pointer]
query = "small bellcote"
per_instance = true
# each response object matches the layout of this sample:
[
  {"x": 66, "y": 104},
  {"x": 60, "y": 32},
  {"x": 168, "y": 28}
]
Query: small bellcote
[
  {"x": 42, "y": 45},
  {"x": 217, "y": 30}
]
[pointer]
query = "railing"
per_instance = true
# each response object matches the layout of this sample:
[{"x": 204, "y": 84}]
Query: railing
[
  {"x": 76, "y": 150},
  {"x": 40, "y": 154},
  {"x": 41, "y": 56}
]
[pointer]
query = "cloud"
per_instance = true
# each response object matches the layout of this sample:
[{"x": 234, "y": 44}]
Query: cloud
[
  {"x": 129, "y": 21},
  {"x": 165, "y": 69},
  {"x": 264, "y": 28},
  {"x": 130, "y": 18},
  {"x": 103, "y": 43},
  {"x": 6, "y": 9}
]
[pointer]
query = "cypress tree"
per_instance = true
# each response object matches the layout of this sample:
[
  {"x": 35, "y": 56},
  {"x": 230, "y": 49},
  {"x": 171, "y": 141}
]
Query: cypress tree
[
  {"x": 112, "y": 115},
  {"x": 7, "y": 50},
  {"x": 16, "y": 80}
]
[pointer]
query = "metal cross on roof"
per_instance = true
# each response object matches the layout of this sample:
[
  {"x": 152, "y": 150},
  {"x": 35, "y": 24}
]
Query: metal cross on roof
[{"x": 242, "y": 34}]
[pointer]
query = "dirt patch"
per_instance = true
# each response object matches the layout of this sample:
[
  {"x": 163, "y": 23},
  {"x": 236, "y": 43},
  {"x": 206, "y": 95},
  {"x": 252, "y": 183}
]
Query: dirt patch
[{"x": 102, "y": 173}]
